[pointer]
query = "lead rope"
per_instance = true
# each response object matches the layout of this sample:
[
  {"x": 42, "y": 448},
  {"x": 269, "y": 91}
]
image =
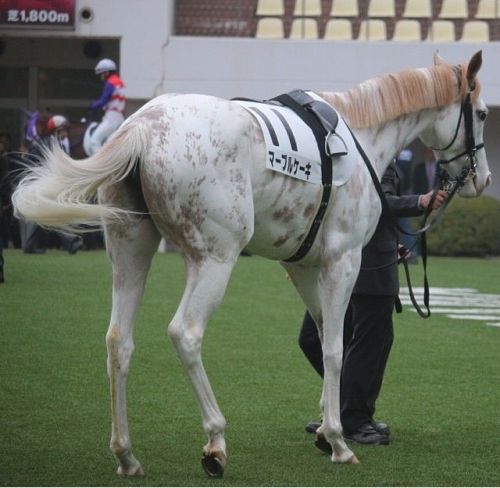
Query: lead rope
[
  {"x": 421, "y": 232},
  {"x": 424, "y": 314}
]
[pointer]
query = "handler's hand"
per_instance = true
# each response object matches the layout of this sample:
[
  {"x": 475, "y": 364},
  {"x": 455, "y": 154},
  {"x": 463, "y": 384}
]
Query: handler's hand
[
  {"x": 404, "y": 252},
  {"x": 441, "y": 197}
]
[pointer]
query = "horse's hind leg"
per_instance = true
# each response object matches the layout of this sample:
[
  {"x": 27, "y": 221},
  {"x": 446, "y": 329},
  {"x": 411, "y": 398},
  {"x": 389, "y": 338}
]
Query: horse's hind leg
[
  {"x": 205, "y": 286},
  {"x": 131, "y": 245}
]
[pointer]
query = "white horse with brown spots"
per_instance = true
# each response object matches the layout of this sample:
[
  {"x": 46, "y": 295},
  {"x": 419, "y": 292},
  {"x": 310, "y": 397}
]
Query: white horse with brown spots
[{"x": 191, "y": 168}]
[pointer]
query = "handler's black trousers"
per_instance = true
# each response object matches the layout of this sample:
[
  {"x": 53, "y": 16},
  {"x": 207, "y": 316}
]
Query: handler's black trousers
[{"x": 368, "y": 337}]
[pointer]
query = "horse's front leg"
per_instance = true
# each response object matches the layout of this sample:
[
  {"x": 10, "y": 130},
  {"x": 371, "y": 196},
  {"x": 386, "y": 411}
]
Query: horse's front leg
[
  {"x": 131, "y": 246},
  {"x": 205, "y": 286},
  {"x": 336, "y": 282}
]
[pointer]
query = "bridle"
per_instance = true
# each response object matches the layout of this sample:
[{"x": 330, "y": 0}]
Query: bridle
[
  {"x": 453, "y": 184},
  {"x": 446, "y": 182}
]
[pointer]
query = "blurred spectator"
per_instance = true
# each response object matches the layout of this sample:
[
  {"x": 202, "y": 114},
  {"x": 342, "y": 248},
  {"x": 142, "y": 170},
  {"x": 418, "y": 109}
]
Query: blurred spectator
[
  {"x": 5, "y": 195},
  {"x": 52, "y": 130},
  {"x": 424, "y": 173},
  {"x": 404, "y": 169},
  {"x": 404, "y": 165},
  {"x": 58, "y": 126},
  {"x": 32, "y": 235}
]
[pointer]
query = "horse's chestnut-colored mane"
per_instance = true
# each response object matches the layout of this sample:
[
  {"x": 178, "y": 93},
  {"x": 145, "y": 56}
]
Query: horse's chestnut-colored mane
[{"x": 387, "y": 97}]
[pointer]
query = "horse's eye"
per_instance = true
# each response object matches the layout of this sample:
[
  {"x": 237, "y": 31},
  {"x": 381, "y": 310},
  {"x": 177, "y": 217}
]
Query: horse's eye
[{"x": 482, "y": 115}]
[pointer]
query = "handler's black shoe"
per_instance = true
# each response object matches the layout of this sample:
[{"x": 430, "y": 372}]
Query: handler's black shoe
[
  {"x": 366, "y": 434},
  {"x": 381, "y": 428},
  {"x": 312, "y": 427}
]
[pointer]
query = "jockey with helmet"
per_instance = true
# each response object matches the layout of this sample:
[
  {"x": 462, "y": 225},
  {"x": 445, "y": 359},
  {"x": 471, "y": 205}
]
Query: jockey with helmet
[
  {"x": 52, "y": 131},
  {"x": 57, "y": 127},
  {"x": 112, "y": 101}
]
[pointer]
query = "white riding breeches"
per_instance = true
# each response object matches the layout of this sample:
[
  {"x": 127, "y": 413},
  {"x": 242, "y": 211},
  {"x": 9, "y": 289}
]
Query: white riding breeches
[{"x": 110, "y": 122}]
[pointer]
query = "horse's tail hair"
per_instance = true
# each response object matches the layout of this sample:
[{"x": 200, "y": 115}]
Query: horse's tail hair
[{"x": 61, "y": 192}]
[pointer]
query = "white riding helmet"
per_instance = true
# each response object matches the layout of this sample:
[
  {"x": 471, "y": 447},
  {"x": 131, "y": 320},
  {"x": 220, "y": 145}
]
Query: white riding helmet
[
  {"x": 57, "y": 122},
  {"x": 105, "y": 65}
]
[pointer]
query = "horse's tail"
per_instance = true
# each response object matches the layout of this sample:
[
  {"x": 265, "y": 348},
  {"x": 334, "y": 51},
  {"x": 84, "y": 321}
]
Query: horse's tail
[{"x": 61, "y": 191}]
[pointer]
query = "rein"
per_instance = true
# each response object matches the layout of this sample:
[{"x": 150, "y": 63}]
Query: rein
[
  {"x": 421, "y": 232},
  {"x": 446, "y": 182}
]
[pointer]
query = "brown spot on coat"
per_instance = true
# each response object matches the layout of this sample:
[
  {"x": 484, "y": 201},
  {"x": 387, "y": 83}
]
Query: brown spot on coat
[
  {"x": 280, "y": 241},
  {"x": 284, "y": 214},
  {"x": 309, "y": 211}
]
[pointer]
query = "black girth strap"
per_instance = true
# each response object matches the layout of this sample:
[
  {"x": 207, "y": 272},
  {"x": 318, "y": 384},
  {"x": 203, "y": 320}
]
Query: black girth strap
[{"x": 322, "y": 119}]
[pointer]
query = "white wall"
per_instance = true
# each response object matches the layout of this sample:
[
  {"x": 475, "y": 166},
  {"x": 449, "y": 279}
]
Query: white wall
[
  {"x": 144, "y": 28},
  {"x": 261, "y": 68}
]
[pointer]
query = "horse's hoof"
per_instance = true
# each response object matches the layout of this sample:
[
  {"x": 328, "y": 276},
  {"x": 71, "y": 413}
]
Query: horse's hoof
[
  {"x": 353, "y": 460},
  {"x": 135, "y": 471},
  {"x": 213, "y": 466},
  {"x": 322, "y": 444}
]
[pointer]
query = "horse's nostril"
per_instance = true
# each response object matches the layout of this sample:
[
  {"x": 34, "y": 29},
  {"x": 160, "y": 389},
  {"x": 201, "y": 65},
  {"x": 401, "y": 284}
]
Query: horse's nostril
[{"x": 488, "y": 180}]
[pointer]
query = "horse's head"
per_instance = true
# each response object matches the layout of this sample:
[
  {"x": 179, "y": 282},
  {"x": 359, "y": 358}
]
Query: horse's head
[{"x": 456, "y": 134}]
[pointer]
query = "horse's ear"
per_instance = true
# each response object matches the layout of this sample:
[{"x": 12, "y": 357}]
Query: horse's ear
[
  {"x": 438, "y": 59},
  {"x": 473, "y": 68}
]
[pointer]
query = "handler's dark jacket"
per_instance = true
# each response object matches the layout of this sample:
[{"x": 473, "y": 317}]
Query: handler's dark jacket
[{"x": 383, "y": 246}]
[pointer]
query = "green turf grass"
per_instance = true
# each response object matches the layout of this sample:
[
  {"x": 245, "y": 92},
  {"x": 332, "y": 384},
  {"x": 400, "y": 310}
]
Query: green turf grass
[{"x": 441, "y": 394}]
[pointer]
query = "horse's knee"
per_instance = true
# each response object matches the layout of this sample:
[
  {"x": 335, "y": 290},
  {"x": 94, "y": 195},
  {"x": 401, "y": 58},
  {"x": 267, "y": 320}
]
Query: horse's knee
[
  {"x": 187, "y": 341},
  {"x": 174, "y": 331}
]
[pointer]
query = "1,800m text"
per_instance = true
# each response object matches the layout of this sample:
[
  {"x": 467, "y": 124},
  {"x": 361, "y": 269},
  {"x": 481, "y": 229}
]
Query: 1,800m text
[{"x": 37, "y": 17}]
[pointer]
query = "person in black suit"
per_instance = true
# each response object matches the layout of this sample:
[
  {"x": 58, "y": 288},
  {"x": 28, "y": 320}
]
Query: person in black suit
[
  {"x": 404, "y": 166},
  {"x": 368, "y": 326},
  {"x": 424, "y": 173}
]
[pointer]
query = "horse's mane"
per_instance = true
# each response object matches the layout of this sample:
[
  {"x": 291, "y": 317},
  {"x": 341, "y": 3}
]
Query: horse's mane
[{"x": 386, "y": 98}]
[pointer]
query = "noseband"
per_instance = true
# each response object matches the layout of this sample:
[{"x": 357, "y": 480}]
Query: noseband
[{"x": 452, "y": 184}]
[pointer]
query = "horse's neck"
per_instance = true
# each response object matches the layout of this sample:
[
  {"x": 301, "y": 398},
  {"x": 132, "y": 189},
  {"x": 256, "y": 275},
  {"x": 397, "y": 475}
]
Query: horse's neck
[{"x": 382, "y": 143}]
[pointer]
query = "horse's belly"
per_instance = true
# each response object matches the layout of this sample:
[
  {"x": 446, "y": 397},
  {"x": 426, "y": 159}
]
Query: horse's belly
[{"x": 284, "y": 210}]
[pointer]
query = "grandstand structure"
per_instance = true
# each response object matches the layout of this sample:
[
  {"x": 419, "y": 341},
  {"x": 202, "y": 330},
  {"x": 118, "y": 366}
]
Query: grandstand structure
[{"x": 375, "y": 20}]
